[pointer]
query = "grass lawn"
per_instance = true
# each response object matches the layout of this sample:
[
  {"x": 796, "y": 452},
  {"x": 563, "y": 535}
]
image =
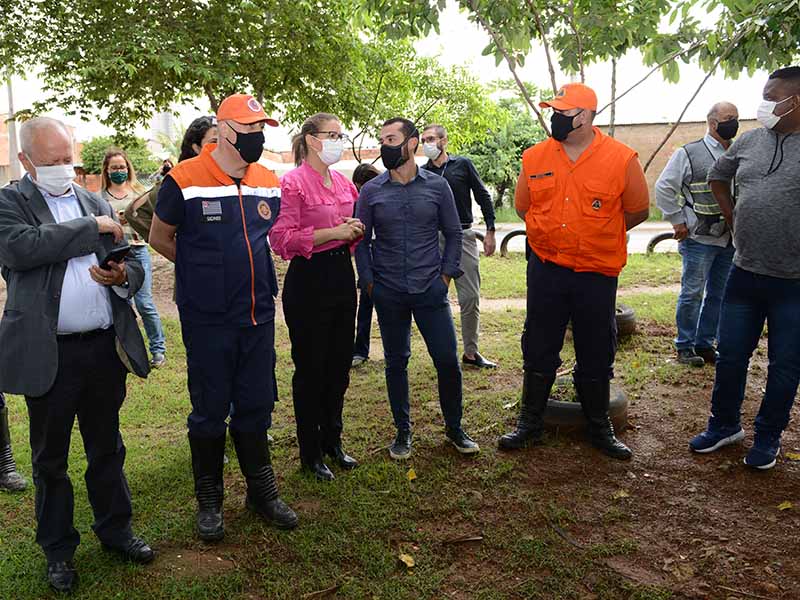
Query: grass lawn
[
  {"x": 555, "y": 522},
  {"x": 505, "y": 277}
]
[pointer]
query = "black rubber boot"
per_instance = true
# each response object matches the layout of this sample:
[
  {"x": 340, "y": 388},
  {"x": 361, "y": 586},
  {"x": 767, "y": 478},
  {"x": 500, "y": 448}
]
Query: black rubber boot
[
  {"x": 594, "y": 396},
  {"x": 535, "y": 393},
  {"x": 10, "y": 479},
  {"x": 208, "y": 455},
  {"x": 262, "y": 489}
]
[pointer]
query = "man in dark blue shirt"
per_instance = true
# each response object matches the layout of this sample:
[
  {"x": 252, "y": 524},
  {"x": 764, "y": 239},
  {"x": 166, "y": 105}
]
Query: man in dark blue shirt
[{"x": 407, "y": 275}]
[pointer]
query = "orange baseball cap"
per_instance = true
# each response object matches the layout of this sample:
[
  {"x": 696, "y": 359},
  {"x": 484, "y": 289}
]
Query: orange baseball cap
[
  {"x": 243, "y": 108},
  {"x": 572, "y": 95}
]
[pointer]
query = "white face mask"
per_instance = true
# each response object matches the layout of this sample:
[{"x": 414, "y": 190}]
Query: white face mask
[
  {"x": 331, "y": 151},
  {"x": 431, "y": 151},
  {"x": 766, "y": 112},
  {"x": 55, "y": 179}
]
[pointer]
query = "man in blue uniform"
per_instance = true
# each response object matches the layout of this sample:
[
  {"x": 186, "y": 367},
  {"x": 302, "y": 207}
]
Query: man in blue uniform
[{"x": 212, "y": 217}]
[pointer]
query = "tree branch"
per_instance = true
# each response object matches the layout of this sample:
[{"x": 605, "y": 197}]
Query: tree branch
[
  {"x": 673, "y": 56},
  {"x": 721, "y": 57},
  {"x": 578, "y": 40},
  {"x": 545, "y": 44},
  {"x": 212, "y": 98},
  {"x": 510, "y": 63},
  {"x": 361, "y": 133}
]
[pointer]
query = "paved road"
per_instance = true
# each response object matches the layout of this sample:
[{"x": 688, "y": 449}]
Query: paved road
[{"x": 640, "y": 236}]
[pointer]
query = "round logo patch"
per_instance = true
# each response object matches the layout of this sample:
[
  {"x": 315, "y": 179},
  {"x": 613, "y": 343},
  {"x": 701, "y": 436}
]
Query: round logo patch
[
  {"x": 253, "y": 105},
  {"x": 263, "y": 210}
]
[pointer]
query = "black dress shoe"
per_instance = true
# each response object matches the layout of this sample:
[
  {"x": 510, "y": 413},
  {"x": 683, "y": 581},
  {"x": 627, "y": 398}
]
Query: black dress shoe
[
  {"x": 319, "y": 469},
  {"x": 344, "y": 460},
  {"x": 62, "y": 576},
  {"x": 709, "y": 355},
  {"x": 135, "y": 550},
  {"x": 478, "y": 361}
]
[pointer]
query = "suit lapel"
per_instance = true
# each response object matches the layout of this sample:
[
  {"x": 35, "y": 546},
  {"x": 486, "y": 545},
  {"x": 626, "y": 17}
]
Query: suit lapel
[
  {"x": 36, "y": 201},
  {"x": 86, "y": 206}
]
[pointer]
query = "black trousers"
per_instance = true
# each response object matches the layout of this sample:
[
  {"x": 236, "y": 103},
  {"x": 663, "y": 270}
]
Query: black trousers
[
  {"x": 319, "y": 303},
  {"x": 556, "y": 295},
  {"x": 90, "y": 384}
]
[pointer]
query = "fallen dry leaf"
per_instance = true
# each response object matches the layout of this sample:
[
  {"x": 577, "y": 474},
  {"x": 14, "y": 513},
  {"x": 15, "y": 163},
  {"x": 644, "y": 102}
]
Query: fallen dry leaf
[
  {"x": 412, "y": 474},
  {"x": 620, "y": 494},
  {"x": 407, "y": 560},
  {"x": 785, "y": 505},
  {"x": 792, "y": 455},
  {"x": 464, "y": 539}
]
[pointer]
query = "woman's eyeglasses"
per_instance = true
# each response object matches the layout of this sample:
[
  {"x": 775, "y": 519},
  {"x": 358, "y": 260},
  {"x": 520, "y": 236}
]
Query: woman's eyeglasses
[{"x": 331, "y": 135}]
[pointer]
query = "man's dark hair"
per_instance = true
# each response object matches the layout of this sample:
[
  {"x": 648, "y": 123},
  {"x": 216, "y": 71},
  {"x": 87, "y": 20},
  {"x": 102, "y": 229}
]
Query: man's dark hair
[
  {"x": 194, "y": 135},
  {"x": 440, "y": 131},
  {"x": 363, "y": 173},
  {"x": 408, "y": 128},
  {"x": 790, "y": 75}
]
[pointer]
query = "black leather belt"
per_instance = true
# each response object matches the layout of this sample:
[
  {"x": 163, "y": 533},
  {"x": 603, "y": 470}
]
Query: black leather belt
[
  {"x": 466, "y": 226},
  {"x": 83, "y": 335},
  {"x": 343, "y": 250}
]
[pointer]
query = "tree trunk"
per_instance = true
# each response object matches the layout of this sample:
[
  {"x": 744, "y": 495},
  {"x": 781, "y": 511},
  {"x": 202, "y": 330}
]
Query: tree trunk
[
  {"x": 501, "y": 192},
  {"x": 613, "y": 115}
]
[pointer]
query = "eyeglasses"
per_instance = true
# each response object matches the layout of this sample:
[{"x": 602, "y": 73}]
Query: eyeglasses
[
  {"x": 332, "y": 135},
  {"x": 431, "y": 139}
]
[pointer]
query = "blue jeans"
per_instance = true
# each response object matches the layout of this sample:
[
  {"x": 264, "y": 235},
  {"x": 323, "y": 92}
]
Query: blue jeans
[
  {"x": 431, "y": 311},
  {"x": 705, "y": 270},
  {"x": 749, "y": 300},
  {"x": 145, "y": 305},
  {"x": 363, "y": 325}
]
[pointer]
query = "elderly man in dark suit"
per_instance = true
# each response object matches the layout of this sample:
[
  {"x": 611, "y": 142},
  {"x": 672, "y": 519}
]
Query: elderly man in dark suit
[{"x": 68, "y": 337}]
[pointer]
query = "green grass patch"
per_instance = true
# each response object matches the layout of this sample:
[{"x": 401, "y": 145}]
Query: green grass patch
[
  {"x": 352, "y": 530},
  {"x": 504, "y": 277}
]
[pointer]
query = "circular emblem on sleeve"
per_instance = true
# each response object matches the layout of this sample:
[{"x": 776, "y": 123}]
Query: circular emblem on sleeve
[
  {"x": 253, "y": 105},
  {"x": 263, "y": 210}
]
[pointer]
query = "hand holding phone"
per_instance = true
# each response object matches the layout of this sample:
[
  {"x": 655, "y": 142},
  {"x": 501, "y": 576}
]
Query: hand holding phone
[{"x": 117, "y": 255}]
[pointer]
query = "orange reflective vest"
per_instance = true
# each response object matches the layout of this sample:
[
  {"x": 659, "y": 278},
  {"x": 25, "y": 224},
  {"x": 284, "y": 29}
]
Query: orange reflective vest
[{"x": 575, "y": 218}]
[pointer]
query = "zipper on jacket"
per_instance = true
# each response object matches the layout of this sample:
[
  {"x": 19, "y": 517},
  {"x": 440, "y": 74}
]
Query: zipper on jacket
[{"x": 252, "y": 264}]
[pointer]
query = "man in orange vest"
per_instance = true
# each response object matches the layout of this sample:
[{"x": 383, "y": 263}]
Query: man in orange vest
[{"x": 579, "y": 192}]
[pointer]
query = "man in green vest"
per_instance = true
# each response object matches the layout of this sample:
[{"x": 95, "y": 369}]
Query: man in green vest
[{"x": 704, "y": 238}]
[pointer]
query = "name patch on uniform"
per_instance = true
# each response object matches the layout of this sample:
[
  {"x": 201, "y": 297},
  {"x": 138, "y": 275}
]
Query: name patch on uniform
[
  {"x": 212, "y": 211},
  {"x": 542, "y": 175}
]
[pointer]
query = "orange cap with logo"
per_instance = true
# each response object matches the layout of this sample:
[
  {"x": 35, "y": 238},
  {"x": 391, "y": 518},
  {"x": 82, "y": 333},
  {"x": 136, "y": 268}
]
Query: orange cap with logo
[
  {"x": 572, "y": 95},
  {"x": 243, "y": 108}
]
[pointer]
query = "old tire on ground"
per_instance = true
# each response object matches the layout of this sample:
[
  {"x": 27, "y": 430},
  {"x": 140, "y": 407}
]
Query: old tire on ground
[
  {"x": 626, "y": 320},
  {"x": 568, "y": 416},
  {"x": 508, "y": 238},
  {"x": 657, "y": 239}
]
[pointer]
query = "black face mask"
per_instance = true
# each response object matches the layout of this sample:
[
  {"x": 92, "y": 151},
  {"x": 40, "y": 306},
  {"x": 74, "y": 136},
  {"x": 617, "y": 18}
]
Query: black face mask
[
  {"x": 561, "y": 126},
  {"x": 249, "y": 145},
  {"x": 392, "y": 156},
  {"x": 727, "y": 129}
]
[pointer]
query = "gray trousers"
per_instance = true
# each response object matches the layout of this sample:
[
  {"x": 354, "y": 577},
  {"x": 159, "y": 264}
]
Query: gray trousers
[{"x": 468, "y": 287}]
